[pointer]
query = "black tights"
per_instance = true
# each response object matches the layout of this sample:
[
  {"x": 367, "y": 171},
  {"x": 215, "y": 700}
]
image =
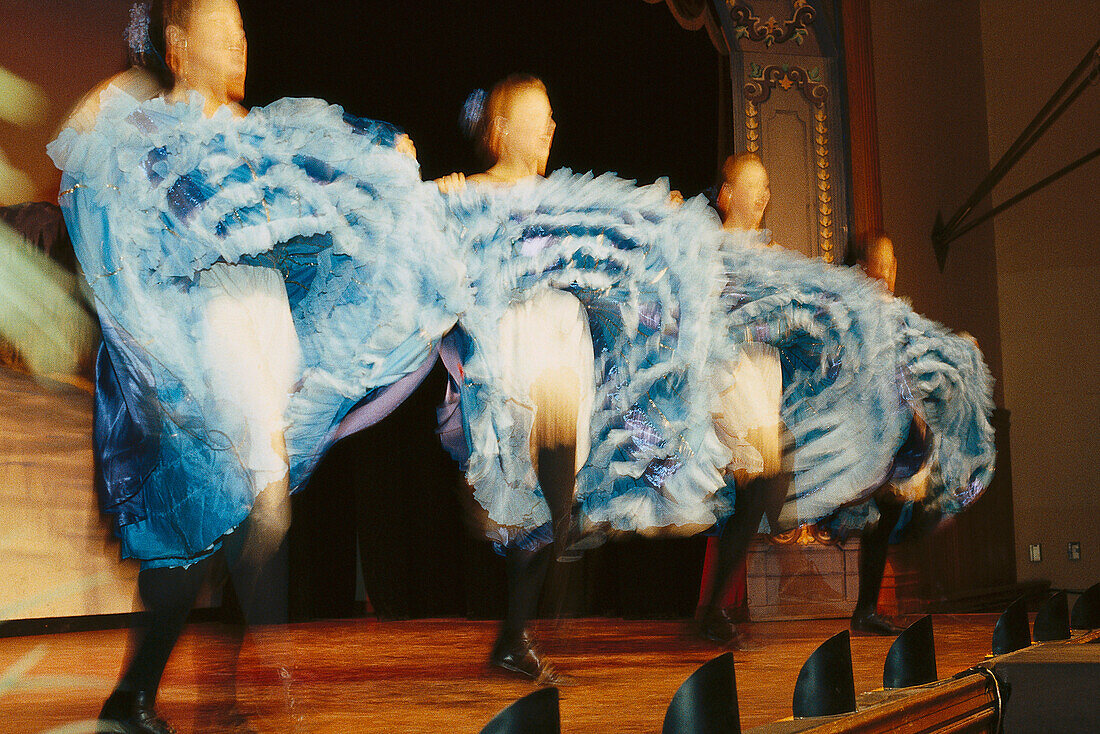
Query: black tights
[
  {"x": 557, "y": 473},
  {"x": 526, "y": 570},
  {"x": 169, "y": 594},
  {"x": 873, "y": 547},
  {"x": 749, "y": 505}
]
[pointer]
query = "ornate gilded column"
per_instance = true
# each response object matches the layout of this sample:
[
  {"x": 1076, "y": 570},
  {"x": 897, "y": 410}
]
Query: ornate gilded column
[{"x": 788, "y": 108}]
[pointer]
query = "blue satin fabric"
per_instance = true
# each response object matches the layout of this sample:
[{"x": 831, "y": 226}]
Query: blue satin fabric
[{"x": 125, "y": 438}]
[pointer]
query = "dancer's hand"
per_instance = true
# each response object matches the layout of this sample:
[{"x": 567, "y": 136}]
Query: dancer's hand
[
  {"x": 970, "y": 338},
  {"x": 675, "y": 198},
  {"x": 452, "y": 183},
  {"x": 404, "y": 144}
]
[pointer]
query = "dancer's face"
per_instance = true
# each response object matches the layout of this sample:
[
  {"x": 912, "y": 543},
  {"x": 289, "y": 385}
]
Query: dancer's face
[
  {"x": 747, "y": 195},
  {"x": 211, "y": 54},
  {"x": 526, "y": 130}
]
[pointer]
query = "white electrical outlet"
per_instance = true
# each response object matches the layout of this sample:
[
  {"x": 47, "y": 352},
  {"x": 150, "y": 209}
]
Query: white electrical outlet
[
  {"x": 1035, "y": 552},
  {"x": 1074, "y": 550}
]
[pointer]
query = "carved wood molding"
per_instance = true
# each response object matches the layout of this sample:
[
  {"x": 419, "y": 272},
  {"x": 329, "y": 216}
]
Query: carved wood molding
[
  {"x": 804, "y": 535},
  {"x": 757, "y": 91},
  {"x": 771, "y": 31},
  {"x": 762, "y": 80}
]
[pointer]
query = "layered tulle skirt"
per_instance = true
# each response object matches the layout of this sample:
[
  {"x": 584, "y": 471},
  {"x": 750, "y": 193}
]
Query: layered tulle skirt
[
  {"x": 715, "y": 361},
  {"x": 861, "y": 374},
  {"x": 623, "y": 297},
  {"x": 256, "y": 278}
]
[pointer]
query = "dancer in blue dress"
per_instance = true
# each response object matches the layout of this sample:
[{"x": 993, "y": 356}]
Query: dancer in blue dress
[
  {"x": 578, "y": 356},
  {"x": 748, "y": 381},
  {"x": 256, "y": 275},
  {"x": 675, "y": 342},
  {"x": 871, "y": 392},
  {"x": 945, "y": 462}
]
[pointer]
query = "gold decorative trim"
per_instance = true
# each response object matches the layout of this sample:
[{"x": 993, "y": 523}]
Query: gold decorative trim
[
  {"x": 752, "y": 127},
  {"x": 805, "y": 535},
  {"x": 758, "y": 90},
  {"x": 68, "y": 191},
  {"x": 769, "y": 32}
]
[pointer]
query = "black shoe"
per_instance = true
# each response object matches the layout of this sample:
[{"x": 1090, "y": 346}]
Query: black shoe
[
  {"x": 578, "y": 540},
  {"x": 739, "y": 614},
  {"x": 519, "y": 656},
  {"x": 717, "y": 627},
  {"x": 131, "y": 712},
  {"x": 873, "y": 624}
]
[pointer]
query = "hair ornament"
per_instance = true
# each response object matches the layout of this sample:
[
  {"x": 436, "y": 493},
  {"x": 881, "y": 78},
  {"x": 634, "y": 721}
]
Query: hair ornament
[
  {"x": 472, "y": 112},
  {"x": 137, "y": 33}
]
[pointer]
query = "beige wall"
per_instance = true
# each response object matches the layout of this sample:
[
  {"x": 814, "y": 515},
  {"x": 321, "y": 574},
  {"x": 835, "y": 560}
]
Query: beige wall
[
  {"x": 57, "y": 558},
  {"x": 956, "y": 82},
  {"x": 62, "y": 48},
  {"x": 1048, "y": 267},
  {"x": 933, "y": 150}
]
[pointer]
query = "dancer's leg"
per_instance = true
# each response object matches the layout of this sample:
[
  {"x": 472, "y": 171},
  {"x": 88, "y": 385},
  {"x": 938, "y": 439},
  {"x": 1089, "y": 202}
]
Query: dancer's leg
[
  {"x": 557, "y": 397},
  {"x": 168, "y": 595},
  {"x": 874, "y": 545},
  {"x": 259, "y": 582},
  {"x": 526, "y": 571},
  {"x": 733, "y": 544},
  {"x": 545, "y": 338},
  {"x": 556, "y": 470}
]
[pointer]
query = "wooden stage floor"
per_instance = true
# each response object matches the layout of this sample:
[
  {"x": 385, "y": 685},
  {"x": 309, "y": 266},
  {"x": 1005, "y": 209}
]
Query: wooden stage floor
[{"x": 431, "y": 675}]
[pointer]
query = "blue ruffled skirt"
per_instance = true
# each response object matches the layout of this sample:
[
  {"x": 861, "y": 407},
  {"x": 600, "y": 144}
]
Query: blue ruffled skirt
[{"x": 256, "y": 278}]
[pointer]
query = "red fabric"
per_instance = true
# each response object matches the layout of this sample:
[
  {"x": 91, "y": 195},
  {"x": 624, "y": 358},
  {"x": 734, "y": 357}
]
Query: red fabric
[{"x": 736, "y": 595}]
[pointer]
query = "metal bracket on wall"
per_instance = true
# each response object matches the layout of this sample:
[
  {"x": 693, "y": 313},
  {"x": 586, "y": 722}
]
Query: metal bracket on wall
[{"x": 944, "y": 233}]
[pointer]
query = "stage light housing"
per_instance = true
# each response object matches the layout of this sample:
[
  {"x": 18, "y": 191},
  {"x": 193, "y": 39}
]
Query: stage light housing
[
  {"x": 825, "y": 685},
  {"x": 1086, "y": 610},
  {"x": 1012, "y": 631},
  {"x": 1052, "y": 621},
  {"x": 536, "y": 713},
  {"x": 911, "y": 660},
  {"x": 706, "y": 703}
]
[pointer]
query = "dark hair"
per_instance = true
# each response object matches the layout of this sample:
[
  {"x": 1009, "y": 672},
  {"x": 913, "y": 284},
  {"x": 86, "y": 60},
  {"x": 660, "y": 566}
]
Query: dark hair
[
  {"x": 496, "y": 105},
  {"x": 154, "y": 57}
]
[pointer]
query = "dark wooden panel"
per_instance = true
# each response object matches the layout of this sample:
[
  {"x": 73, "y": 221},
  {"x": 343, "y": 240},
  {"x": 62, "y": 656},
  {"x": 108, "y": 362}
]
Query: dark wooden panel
[{"x": 862, "y": 124}]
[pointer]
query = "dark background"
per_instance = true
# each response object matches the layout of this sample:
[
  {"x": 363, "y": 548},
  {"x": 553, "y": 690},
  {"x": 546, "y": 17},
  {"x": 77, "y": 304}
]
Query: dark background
[{"x": 633, "y": 93}]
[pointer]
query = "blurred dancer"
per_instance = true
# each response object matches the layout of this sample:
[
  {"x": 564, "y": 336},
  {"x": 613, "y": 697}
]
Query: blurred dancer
[
  {"x": 546, "y": 364},
  {"x": 871, "y": 393},
  {"x": 750, "y": 390},
  {"x": 877, "y": 260},
  {"x": 220, "y": 265},
  {"x": 249, "y": 342},
  {"x": 585, "y": 286},
  {"x": 694, "y": 346}
]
